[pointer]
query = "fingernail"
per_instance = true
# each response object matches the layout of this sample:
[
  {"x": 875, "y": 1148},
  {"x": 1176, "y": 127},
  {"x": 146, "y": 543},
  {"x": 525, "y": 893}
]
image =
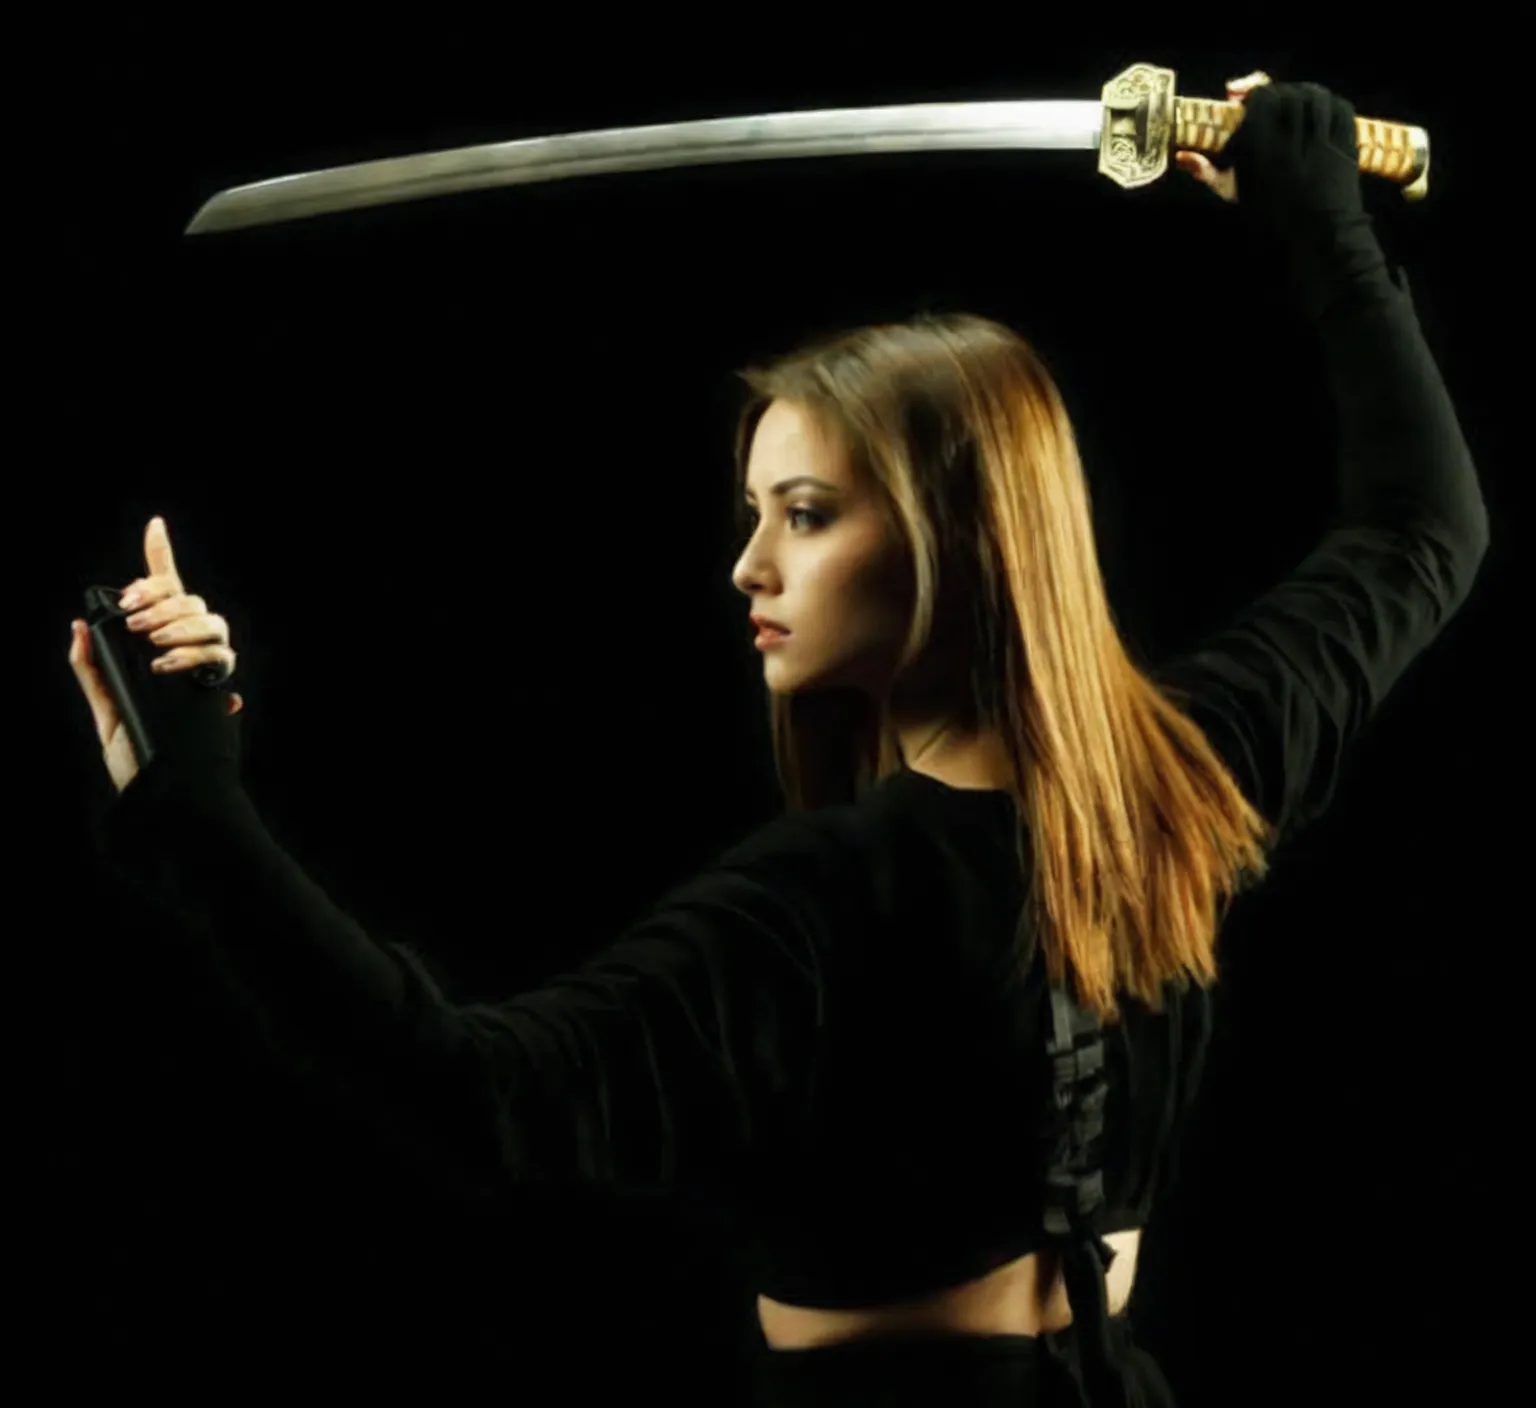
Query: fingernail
[{"x": 129, "y": 601}]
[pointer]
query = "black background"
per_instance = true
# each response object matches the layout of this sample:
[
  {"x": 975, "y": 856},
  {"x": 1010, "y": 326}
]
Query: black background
[{"x": 458, "y": 473}]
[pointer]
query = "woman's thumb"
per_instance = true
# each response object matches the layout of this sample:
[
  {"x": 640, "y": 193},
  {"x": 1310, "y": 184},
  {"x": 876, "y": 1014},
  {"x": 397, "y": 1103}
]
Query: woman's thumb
[{"x": 103, "y": 707}]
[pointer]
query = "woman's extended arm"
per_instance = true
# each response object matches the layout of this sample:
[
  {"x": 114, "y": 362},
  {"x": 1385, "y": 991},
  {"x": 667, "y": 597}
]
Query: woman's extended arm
[{"x": 662, "y": 1061}]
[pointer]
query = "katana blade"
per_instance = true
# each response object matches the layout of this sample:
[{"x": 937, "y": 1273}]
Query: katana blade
[
  {"x": 1067, "y": 125},
  {"x": 1134, "y": 125}
]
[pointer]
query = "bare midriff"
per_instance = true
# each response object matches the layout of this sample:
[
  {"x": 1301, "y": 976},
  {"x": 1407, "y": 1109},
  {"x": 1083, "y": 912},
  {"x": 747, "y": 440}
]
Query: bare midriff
[{"x": 1023, "y": 1297}]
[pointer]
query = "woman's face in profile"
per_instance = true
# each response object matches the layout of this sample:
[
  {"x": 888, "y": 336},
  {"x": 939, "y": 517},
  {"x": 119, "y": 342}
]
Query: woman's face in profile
[{"x": 824, "y": 561}]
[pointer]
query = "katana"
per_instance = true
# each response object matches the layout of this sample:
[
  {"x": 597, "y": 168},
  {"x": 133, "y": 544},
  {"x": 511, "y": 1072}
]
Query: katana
[{"x": 1134, "y": 126}]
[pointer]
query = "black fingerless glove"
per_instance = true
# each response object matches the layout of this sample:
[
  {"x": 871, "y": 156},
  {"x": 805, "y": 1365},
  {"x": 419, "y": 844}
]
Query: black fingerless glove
[
  {"x": 1296, "y": 157},
  {"x": 195, "y": 734},
  {"x": 1297, "y": 161}
]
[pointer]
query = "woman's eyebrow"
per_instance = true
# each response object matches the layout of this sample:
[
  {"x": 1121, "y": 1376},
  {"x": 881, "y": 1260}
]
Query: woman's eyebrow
[{"x": 785, "y": 485}]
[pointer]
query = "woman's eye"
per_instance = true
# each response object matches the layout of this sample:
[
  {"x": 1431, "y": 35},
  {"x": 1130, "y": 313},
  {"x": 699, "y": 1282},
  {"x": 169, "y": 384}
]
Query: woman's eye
[{"x": 809, "y": 516}]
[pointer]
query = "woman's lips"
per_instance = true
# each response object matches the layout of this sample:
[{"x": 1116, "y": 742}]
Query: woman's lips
[{"x": 768, "y": 636}]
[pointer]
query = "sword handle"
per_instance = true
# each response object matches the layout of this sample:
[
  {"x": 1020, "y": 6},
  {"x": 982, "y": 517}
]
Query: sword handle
[
  {"x": 1396, "y": 151},
  {"x": 1144, "y": 120}
]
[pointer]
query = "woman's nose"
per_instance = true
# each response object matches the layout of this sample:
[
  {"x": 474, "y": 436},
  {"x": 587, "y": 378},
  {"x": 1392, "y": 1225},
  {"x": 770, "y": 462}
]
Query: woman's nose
[{"x": 747, "y": 577}]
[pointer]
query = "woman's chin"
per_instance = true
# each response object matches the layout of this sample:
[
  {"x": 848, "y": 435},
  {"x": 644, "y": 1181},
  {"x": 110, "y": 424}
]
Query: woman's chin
[{"x": 781, "y": 679}]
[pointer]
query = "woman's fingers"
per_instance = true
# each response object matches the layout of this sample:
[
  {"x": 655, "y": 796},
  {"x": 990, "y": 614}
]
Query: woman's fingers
[
  {"x": 186, "y": 620},
  {"x": 172, "y": 618},
  {"x": 1198, "y": 165},
  {"x": 186, "y": 657},
  {"x": 188, "y": 633},
  {"x": 148, "y": 591},
  {"x": 182, "y": 626},
  {"x": 158, "y": 556}
]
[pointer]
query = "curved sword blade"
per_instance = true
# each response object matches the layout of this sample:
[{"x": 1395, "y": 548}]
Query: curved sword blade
[{"x": 1051, "y": 125}]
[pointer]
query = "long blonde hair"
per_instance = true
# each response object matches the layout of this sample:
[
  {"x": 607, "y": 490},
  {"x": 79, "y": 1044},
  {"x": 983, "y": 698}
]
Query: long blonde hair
[{"x": 1139, "y": 833}]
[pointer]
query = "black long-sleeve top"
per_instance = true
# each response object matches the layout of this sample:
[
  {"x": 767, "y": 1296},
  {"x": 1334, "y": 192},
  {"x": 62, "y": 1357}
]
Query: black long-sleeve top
[{"x": 816, "y": 1025}]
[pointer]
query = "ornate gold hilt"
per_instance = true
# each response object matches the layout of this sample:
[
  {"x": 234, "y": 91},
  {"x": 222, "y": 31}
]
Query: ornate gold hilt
[{"x": 1144, "y": 120}]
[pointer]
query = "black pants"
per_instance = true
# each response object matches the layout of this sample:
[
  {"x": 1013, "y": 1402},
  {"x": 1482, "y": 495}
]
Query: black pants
[{"x": 1021, "y": 1371}]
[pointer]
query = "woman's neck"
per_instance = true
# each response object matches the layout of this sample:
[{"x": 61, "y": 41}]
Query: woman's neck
[{"x": 976, "y": 761}]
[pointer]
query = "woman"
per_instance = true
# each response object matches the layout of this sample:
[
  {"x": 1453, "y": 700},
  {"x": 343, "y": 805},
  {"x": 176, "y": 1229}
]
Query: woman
[{"x": 965, "y": 749}]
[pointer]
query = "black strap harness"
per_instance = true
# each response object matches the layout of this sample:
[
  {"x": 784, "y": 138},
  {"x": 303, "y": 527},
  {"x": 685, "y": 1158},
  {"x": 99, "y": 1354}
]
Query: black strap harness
[{"x": 1074, "y": 1191}]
